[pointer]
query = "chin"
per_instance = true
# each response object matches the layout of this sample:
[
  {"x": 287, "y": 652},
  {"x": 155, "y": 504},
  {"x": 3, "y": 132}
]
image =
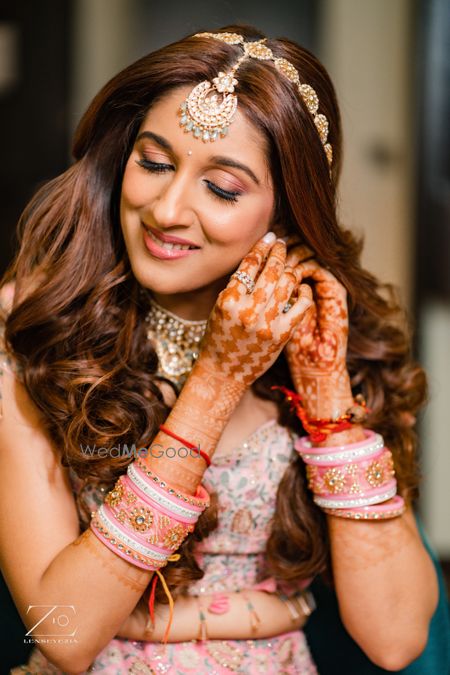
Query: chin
[{"x": 164, "y": 284}]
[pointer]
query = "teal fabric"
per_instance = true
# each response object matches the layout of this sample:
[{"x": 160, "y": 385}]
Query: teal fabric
[{"x": 335, "y": 652}]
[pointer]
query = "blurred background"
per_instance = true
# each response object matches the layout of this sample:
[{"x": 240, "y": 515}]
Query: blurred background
[{"x": 390, "y": 62}]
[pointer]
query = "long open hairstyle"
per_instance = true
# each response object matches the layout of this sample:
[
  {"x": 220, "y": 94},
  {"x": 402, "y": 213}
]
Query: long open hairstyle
[{"x": 77, "y": 328}]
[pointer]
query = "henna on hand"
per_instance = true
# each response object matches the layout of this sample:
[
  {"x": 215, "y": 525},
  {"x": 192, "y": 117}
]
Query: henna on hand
[
  {"x": 247, "y": 331},
  {"x": 317, "y": 351},
  {"x": 245, "y": 334}
]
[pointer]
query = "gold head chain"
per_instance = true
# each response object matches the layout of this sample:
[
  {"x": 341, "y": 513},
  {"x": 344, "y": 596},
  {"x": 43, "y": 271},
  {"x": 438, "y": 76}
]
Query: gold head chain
[{"x": 209, "y": 109}]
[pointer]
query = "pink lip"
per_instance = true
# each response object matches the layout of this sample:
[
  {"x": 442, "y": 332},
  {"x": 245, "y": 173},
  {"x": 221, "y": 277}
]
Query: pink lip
[
  {"x": 161, "y": 253},
  {"x": 168, "y": 238}
]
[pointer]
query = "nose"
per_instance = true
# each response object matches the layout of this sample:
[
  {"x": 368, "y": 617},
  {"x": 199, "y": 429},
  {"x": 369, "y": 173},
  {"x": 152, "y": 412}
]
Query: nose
[{"x": 172, "y": 204}]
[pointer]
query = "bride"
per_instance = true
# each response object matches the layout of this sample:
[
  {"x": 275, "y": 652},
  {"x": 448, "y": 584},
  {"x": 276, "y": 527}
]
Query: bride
[{"x": 185, "y": 289}]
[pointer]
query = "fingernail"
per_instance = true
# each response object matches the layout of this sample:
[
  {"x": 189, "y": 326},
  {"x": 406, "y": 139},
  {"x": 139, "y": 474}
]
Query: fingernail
[
  {"x": 281, "y": 239},
  {"x": 269, "y": 238}
]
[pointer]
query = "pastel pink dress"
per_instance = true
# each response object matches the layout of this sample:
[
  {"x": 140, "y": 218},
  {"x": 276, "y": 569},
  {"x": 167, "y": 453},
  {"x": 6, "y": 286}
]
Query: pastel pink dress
[{"x": 232, "y": 558}]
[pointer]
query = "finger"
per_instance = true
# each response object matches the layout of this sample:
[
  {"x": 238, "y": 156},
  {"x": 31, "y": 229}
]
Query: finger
[
  {"x": 298, "y": 254},
  {"x": 302, "y": 333},
  {"x": 284, "y": 288},
  {"x": 312, "y": 269},
  {"x": 271, "y": 273},
  {"x": 292, "y": 240},
  {"x": 252, "y": 262},
  {"x": 301, "y": 306},
  {"x": 330, "y": 295}
]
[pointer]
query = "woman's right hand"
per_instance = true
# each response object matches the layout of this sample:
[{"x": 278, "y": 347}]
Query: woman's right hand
[
  {"x": 247, "y": 330},
  {"x": 245, "y": 334}
]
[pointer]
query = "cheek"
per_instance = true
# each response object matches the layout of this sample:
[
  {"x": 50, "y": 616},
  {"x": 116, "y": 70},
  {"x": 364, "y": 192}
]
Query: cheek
[
  {"x": 135, "y": 187},
  {"x": 241, "y": 223}
]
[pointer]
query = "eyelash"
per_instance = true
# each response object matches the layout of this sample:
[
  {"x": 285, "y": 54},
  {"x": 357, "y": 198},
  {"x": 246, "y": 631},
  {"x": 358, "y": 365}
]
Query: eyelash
[{"x": 159, "y": 167}]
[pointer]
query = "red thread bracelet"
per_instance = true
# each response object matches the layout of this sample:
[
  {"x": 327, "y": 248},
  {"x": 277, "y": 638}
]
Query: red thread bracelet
[
  {"x": 319, "y": 429},
  {"x": 191, "y": 446}
]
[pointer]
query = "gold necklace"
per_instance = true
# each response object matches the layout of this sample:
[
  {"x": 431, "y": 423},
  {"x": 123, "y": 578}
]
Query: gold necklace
[{"x": 176, "y": 341}]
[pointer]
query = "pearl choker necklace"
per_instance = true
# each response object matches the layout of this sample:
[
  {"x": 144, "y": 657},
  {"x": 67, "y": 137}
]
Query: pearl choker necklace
[{"x": 176, "y": 341}]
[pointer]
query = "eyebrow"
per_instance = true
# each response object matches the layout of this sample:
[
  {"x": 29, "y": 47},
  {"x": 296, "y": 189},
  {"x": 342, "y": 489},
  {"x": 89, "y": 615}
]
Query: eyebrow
[
  {"x": 217, "y": 159},
  {"x": 227, "y": 161}
]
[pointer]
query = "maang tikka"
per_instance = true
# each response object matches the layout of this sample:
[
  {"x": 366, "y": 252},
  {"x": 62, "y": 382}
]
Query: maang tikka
[{"x": 210, "y": 107}]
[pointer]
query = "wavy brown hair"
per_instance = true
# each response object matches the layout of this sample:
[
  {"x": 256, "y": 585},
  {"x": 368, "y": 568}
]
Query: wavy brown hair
[{"x": 77, "y": 327}]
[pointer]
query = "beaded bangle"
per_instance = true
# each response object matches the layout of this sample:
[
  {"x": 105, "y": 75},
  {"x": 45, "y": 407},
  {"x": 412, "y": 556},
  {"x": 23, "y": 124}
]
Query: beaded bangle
[
  {"x": 125, "y": 547},
  {"x": 145, "y": 524},
  {"x": 136, "y": 503},
  {"x": 189, "y": 499},
  {"x": 339, "y": 454},
  {"x": 200, "y": 500},
  {"x": 370, "y": 497},
  {"x": 393, "y": 508},
  {"x": 132, "y": 540},
  {"x": 163, "y": 500},
  {"x": 128, "y": 505}
]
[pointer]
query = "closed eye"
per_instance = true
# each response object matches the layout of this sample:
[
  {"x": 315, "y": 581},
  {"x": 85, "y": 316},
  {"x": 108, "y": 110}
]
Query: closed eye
[
  {"x": 227, "y": 195},
  {"x": 230, "y": 196},
  {"x": 154, "y": 167}
]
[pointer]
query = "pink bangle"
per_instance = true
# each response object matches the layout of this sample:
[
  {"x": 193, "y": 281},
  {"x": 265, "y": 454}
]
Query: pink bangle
[
  {"x": 166, "y": 487},
  {"x": 110, "y": 520},
  {"x": 339, "y": 459},
  {"x": 168, "y": 503},
  {"x": 132, "y": 551},
  {"x": 336, "y": 458},
  {"x": 368, "y": 498},
  {"x": 164, "y": 508},
  {"x": 351, "y": 479},
  {"x": 200, "y": 500},
  {"x": 137, "y": 505},
  {"x": 147, "y": 525},
  {"x": 349, "y": 452},
  {"x": 393, "y": 508}
]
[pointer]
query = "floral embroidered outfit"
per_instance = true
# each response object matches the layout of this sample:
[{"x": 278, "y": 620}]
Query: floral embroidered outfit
[{"x": 232, "y": 557}]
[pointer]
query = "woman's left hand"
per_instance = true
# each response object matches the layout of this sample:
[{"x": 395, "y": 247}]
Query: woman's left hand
[{"x": 317, "y": 350}]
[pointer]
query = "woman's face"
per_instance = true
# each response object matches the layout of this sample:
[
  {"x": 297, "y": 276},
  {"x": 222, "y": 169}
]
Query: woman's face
[{"x": 216, "y": 198}]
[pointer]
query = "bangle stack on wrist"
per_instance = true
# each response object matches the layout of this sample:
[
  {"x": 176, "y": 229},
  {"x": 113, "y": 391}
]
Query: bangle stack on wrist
[
  {"x": 144, "y": 523},
  {"x": 144, "y": 520},
  {"x": 355, "y": 480}
]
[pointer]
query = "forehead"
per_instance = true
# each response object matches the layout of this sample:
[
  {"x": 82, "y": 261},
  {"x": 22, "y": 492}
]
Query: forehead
[{"x": 243, "y": 140}]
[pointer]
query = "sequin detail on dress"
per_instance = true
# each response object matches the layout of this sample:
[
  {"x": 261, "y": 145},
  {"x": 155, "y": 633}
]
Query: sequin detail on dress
[{"x": 232, "y": 558}]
